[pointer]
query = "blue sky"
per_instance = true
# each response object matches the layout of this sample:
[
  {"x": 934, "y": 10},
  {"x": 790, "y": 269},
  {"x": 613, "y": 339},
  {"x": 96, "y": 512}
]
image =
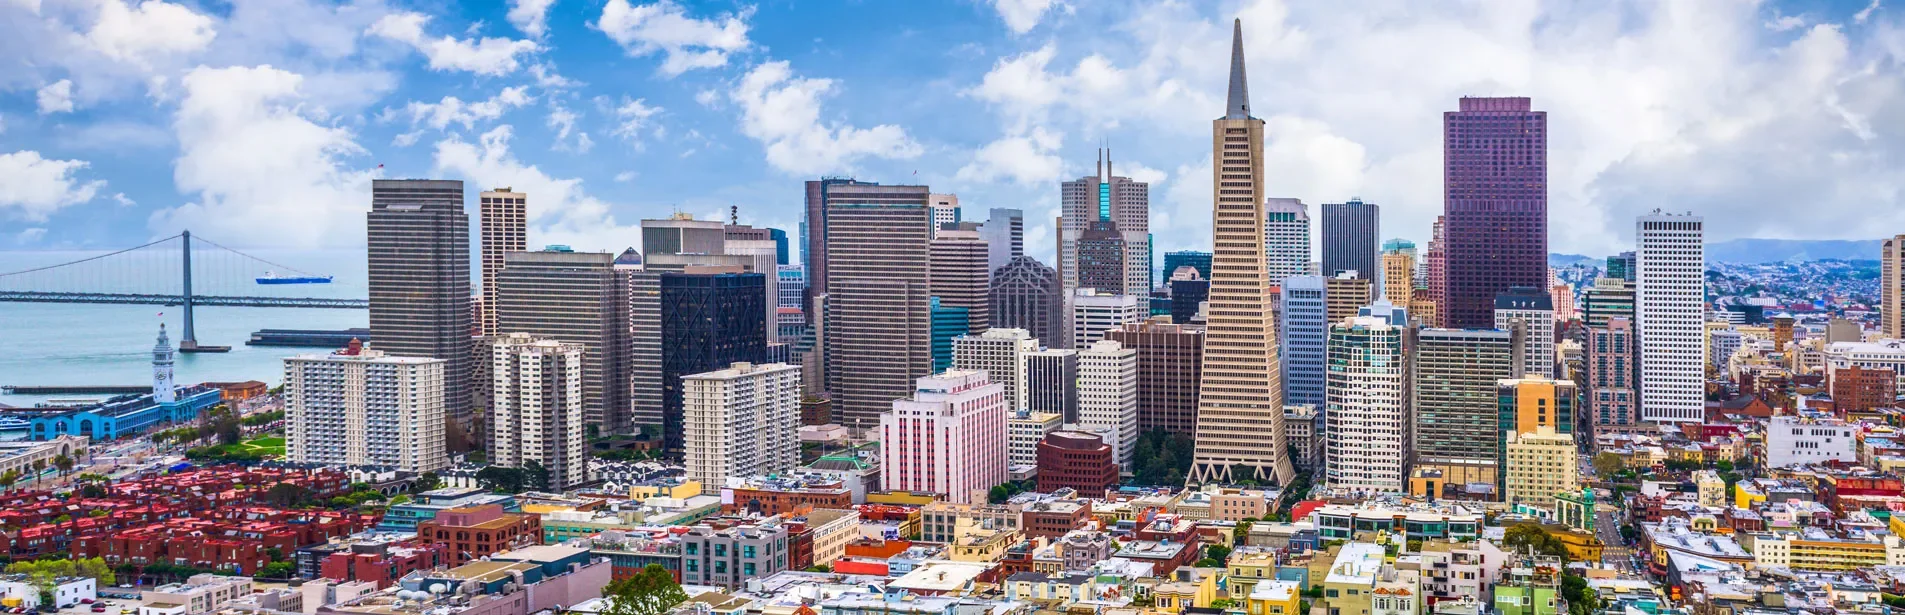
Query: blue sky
[{"x": 260, "y": 123}]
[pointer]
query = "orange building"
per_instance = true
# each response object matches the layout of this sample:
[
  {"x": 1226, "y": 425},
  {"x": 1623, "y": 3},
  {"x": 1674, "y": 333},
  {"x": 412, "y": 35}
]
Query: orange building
[{"x": 476, "y": 531}]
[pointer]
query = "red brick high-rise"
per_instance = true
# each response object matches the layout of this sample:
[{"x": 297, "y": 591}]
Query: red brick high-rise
[{"x": 1076, "y": 460}]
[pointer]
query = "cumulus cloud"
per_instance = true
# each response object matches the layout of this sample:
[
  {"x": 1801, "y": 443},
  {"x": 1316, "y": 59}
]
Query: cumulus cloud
[
  {"x": 490, "y": 56},
  {"x": 782, "y": 111},
  {"x": 31, "y": 235},
  {"x": 452, "y": 110},
  {"x": 136, "y": 34},
  {"x": 1026, "y": 159},
  {"x": 564, "y": 213},
  {"x": 562, "y": 120},
  {"x": 56, "y": 97},
  {"x": 686, "y": 43},
  {"x": 530, "y": 16},
  {"x": 33, "y": 187},
  {"x": 632, "y": 118},
  {"x": 1023, "y": 15},
  {"x": 262, "y": 168}
]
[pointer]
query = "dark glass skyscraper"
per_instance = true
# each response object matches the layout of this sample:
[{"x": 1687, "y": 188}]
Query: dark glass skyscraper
[
  {"x": 1024, "y": 295},
  {"x": 708, "y": 321},
  {"x": 1494, "y": 207},
  {"x": 419, "y": 247},
  {"x": 1349, "y": 238},
  {"x": 1101, "y": 257},
  {"x": 1195, "y": 259}
]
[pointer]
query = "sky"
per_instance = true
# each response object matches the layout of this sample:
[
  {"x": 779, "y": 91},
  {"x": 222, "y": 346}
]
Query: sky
[{"x": 260, "y": 123}]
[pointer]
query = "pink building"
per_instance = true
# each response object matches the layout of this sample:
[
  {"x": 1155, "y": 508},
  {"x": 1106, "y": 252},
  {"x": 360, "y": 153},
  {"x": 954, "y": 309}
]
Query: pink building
[{"x": 949, "y": 438}]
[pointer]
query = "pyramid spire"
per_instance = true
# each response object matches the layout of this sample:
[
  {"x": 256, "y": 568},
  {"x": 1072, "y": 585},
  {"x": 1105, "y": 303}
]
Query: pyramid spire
[{"x": 1238, "y": 107}]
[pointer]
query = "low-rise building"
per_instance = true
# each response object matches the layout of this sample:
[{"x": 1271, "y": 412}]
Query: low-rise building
[
  {"x": 477, "y": 531},
  {"x": 202, "y": 593}
]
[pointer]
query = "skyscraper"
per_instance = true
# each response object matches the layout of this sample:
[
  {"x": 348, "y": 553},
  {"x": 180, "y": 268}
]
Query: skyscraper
[
  {"x": 959, "y": 275},
  {"x": 1892, "y": 287},
  {"x": 1102, "y": 258},
  {"x": 535, "y": 412},
  {"x": 813, "y": 233},
  {"x": 1398, "y": 271},
  {"x": 644, "y": 362},
  {"x": 1170, "y": 364},
  {"x": 1350, "y": 232},
  {"x": 358, "y": 406},
  {"x": 1346, "y": 293},
  {"x": 1240, "y": 403},
  {"x": 1495, "y": 205},
  {"x": 878, "y": 312},
  {"x": 945, "y": 210},
  {"x": 1286, "y": 235},
  {"x": 708, "y": 321},
  {"x": 1194, "y": 259},
  {"x": 1455, "y": 409},
  {"x": 1106, "y": 197},
  {"x": 1532, "y": 308},
  {"x": 1004, "y": 233},
  {"x": 1025, "y": 295},
  {"x": 1368, "y": 406},
  {"x": 1437, "y": 273},
  {"x": 1304, "y": 333},
  {"x": 575, "y": 298},
  {"x": 1670, "y": 311},
  {"x": 505, "y": 220},
  {"x": 1051, "y": 382},
  {"x": 1108, "y": 395},
  {"x": 1610, "y": 377},
  {"x": 419, "y": 247},
  {"x": 1094, "y": 313}
]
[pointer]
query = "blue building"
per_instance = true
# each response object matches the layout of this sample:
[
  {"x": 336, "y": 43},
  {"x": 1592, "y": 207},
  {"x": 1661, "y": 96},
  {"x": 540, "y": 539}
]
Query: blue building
[
  {"x": 948, "y": 323},
  {"x": 1196, "y": 260},
  {"x": 126, "y": 414},
  {"x": 1305, "y": 340}
]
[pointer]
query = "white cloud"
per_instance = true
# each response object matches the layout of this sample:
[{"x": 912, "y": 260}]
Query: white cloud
[
  {"x": 1022, "y": 15},
  {"x": 562, "y": 120},
  {"x": 631, "y": 118},
  {"x": 123, "y": 200},
  {"x": 1026, "y": 159},
  {"x": 782, "y": 111},
  {"x": 1866, "y": 13},
  {"x": 625, "y": 177},
  {"x": 33, "y": 187},
  {"x": 31, "y": 235},
  {"x": 564, "y": 212},
  {"x": 135, "y": 34},
  {"x": 452, "y": 110},
  {"x": 530, "y": 16},
  {"x": 547, "y": 78},
  {"x": 261, "y": 168},
  {"x": 56, "y": 97},
  {"x": 487, "y": 56},
  {"x": 685, "y": 43}
]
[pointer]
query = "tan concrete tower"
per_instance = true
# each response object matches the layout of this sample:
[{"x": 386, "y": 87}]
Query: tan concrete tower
[{"x": 1240, "y": 401}]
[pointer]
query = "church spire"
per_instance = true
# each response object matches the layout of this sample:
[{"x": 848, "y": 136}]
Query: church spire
[{"x": 1238, "y": 107}]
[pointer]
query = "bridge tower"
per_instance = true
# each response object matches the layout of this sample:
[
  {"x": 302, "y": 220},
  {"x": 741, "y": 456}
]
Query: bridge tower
[{"x": 189, "y": 341}]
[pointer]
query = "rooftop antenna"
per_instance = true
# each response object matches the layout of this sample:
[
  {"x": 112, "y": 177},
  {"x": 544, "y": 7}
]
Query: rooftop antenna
[{"x": 734, "y": 215}]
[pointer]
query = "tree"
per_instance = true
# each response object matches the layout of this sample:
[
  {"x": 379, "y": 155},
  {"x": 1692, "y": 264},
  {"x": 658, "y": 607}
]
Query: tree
[
  {"x": 1218, "y": 553},
  {"x": 1723, "y": 465},
  {"x": 65, "y": 463},
  {"x": 277, "y": 570},
  {"x": 535, "y": 477},
  {"x": 1581, "y": 599},
  {"x": 287, "y": 495},
  {"x": 1606, "y": 464},
  {"x": 276, "y": 554},
  {"x": 1528, "y": 535},
  {"x": 1241, "y": 532},
  {"x": 425, "y": 482},
  {"x": 650, "y": 592},
  {"x": 8, "y": 478},
  {"x": 500, "y": 479}
]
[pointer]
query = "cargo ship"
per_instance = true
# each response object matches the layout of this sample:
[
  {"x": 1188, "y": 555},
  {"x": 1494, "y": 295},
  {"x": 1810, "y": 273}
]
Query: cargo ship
[{"x": 272, "y": 277}]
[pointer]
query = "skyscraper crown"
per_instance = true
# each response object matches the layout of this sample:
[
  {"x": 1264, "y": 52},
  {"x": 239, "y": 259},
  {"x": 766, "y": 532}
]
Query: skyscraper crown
[{"x": 1238, "y": 107}]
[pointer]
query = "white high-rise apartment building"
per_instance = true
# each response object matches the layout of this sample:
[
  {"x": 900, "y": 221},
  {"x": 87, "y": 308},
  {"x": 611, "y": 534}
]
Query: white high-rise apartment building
[
  {"x": 949, "y": 438},
  {"x": 536, "y": 411},
  {"x": 1094, "y": 312},
  {"x": 791, "y": 286},
  {"x": 945, "y": 210},
  {"x": 1535, "y": 309},
  {"x": 741, "y": 421},
  {"x": 357, "y": 406},
  {"x": 1669, "y": 298},
  {"x": 1108, "y": 395},
  {"x": 1024, "y": 431},
  {"x": 1000, "y": 353},
  {"x": 1286, "y": 237},
  {"x": 1368, "y": 406}
]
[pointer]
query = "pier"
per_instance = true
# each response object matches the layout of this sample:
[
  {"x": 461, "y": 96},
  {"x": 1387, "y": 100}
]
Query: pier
[{"x": 77, "y": 389}]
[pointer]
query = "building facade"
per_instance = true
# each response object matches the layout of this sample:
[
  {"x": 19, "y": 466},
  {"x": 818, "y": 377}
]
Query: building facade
[
  {"x": 1495, "y": 206},
  {"x": 1669, "y": 317},
  {"x": 1303, "y": 325},
  {"x": 359, "y": 406},
  {"x": 1539, "y": 465},
  {"x": 1024, "y": 432},
  {"x": 1456, "y": 400},
  {"x": 1368, "y": 406},
  {"x": 1124, "y": 204},
  {"x": 419, "y": 279},
  {"x": 1094, "y": 312},
  {"x": 1170, "y": 366},
  {"x": 878, "y": 285},
  {"x": 741, "y": 421},
  {"x": 1286, "y": 236},
  {"x": 1000, "y": 353},
  {"x": 575, "y": 298},
  {"x": 1108, "y": 395},
  {"x": 505, "y": 221},
  {"x": 1533, "y": 308},
  {"x": 1051, "y": 382},
  {"x": 1892, "y": 287},
  {"x": 948, "y": 437},
  {"x": 960, "y": 277},
  {"x": 1025, "y": 295},
  {"x": 1398, "y": 271},
  {"x": 1350, "y": 232},
  {"x": 1076, "y": 460},
  {"x": 1612, "y": 401},
  {"x": 536, "y": 412},
  {"x": 1004, "y": 234}
]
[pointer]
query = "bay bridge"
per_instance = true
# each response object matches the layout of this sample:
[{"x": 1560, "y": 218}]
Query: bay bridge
[{"x": 163, "y": 273}]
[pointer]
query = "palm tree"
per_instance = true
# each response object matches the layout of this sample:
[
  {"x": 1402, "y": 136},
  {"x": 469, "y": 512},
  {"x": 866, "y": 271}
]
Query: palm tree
[{"x": 64, "y": 463}]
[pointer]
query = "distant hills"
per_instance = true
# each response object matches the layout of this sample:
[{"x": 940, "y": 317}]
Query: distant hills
[{"x": 1766, "y": 251}]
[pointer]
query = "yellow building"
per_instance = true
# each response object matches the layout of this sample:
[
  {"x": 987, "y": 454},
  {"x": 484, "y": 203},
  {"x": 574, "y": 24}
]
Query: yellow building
[
  {"x": 1816, "y": 550},
  {"x": 981, "y": 545},
  {"x": 1746, "y": 494},
  {"x": 1537, "y": 402},
  {"x": 1274, "y": 598},
  {"x": 901, "y": 498},
  {"x": 1351, "y": 581},
  {"x": 681, "y": 491},
  {"x": 1248, "y": 569},
  {"x": 1539, "y": 464},
  {"x": 1195, "y": 591},
  {"x": 1398, "y": 272}
]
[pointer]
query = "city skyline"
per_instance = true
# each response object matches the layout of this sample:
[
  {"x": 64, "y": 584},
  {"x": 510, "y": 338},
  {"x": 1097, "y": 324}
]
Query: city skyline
[{"x": 177, "y": 155}]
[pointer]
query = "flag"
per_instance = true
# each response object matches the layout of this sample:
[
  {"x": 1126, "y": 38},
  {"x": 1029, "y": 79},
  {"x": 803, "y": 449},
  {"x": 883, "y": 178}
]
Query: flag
[{"x": 380, "y": 165}]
